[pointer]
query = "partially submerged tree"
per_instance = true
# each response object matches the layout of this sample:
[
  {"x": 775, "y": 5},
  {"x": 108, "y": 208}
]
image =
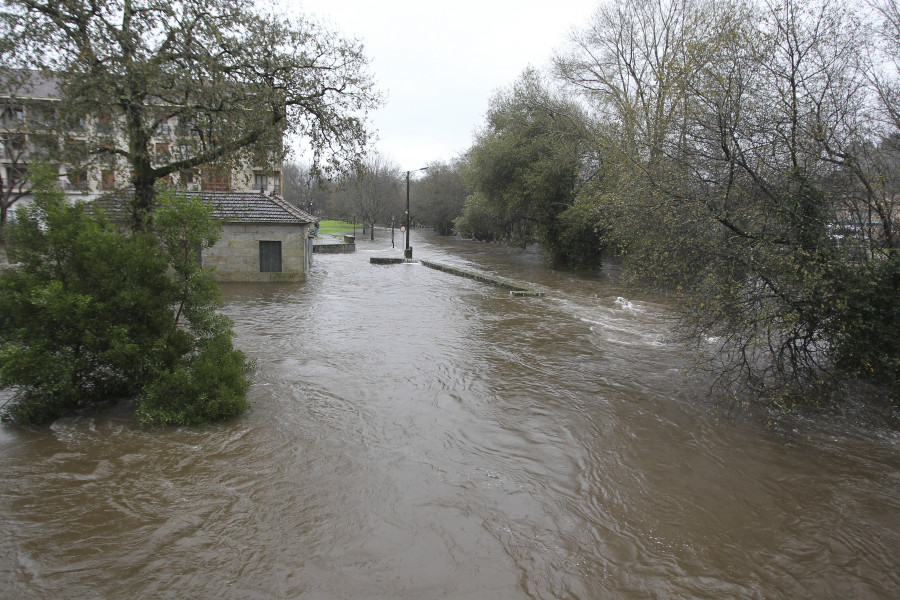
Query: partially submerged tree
[
  {"x": 438, "y": 197},
  {"x": 90, "y": 315},
  {"x": 209, "y": 380},
  {"x": 750, "y": 181},
  {"x": 223, "y": 79}
]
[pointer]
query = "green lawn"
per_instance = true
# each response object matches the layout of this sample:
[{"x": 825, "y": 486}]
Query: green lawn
[{"x": 337, "y": 227}]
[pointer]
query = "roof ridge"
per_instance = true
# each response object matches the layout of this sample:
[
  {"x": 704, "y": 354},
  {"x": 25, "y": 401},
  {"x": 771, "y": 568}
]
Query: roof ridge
[{"x": 294, "y": 209}]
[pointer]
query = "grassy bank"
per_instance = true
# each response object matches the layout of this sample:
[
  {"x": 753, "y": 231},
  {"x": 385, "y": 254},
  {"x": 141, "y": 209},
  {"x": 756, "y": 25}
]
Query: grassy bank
[{"x": 337, "y": 227}]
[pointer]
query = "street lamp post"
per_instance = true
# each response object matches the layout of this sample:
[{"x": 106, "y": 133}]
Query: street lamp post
[{"x": 407, "y": 253}]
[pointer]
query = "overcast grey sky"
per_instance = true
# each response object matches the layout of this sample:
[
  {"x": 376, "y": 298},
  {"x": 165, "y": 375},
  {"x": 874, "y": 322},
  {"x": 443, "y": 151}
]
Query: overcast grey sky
[{"x": 440, "y": 61}]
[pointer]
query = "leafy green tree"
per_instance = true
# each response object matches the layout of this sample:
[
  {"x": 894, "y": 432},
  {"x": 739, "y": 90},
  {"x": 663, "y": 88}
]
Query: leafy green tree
[
  {"x": 479, "y": 220},
  {"x": 80, "y": 311},
  {"x": 209, "y": 385},
  {"x": 222, "y": 80},
  {"x": 206, "y": 378},
  {"x": 90, "y": 315},
  {"x": 524, "y": 171}
]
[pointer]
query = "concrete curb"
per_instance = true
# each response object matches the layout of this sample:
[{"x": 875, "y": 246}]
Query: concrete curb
[{"x": 515, "y": 289}]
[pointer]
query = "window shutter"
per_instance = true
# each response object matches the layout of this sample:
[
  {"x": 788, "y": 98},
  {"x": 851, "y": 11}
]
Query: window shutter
[{"x": 270, "y": 257}]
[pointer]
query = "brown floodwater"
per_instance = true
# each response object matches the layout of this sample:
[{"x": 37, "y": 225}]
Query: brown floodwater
[{"x": 417, "y": 435}]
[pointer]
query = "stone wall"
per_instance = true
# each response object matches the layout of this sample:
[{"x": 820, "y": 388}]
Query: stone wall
[
  {"x": 236, "y": 255},
  {"x": 334, "y": 248}
]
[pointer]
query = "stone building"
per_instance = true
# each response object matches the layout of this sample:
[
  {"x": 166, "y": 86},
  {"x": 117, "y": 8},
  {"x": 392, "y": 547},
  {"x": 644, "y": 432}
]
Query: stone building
[{"x": 264, "y": 238}]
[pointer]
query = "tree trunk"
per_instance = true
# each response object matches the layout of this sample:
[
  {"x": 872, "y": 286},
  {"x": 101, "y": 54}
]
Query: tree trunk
[
  {"x": 142, "y": 176},
  {"x": 142, "y": 205}
]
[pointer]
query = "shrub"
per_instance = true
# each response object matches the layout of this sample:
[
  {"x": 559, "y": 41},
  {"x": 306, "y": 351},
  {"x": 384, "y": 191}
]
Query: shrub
[{"x": 210, "y": 386}]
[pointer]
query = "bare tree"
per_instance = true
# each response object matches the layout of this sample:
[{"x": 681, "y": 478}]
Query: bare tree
[
  {"x": 375, "y": 190},
  {"x": 304, "y": 188},
  {"x": 749, "y": 180},
  {"x": 633, "y": 62}
]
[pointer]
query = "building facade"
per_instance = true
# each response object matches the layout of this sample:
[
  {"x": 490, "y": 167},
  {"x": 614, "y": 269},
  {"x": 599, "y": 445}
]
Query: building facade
[{"x": 31, "y": 130}]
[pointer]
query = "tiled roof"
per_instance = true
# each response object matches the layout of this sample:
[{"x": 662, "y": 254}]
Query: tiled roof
[
  {"x": 253, "y": 207},
  {"x": 115, "y": 209},
  {"x": 230, "y": 207},
  {"x": 28, "y": 84}
]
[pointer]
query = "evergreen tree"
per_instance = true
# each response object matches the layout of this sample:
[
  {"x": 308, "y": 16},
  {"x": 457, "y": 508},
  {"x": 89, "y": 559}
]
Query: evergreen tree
[{"x": 90, "y": 315}]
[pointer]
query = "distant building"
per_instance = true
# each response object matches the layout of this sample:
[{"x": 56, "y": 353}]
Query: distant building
[{"x": 30, "y": 131}]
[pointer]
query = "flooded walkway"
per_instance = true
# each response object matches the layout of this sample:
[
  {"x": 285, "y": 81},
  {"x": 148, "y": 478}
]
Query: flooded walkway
[{"x": 417, "y": 435}]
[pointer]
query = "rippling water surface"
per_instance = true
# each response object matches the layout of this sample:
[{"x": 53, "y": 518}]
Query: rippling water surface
[{"x": 417, "y": 435}]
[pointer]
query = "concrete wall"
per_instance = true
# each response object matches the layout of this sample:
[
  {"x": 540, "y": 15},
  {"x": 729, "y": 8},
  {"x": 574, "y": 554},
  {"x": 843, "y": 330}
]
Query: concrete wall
[{"x": 236, "y": 254}]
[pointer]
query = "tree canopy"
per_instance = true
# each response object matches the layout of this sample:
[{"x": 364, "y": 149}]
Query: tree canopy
[
  {"x": 235, "y": 80},
  {"x": 438, "y": 197},
  {"x": 524, "y": 171}
]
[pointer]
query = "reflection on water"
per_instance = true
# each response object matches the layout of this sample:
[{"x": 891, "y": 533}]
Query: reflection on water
[{"x": 418, "y": 435}]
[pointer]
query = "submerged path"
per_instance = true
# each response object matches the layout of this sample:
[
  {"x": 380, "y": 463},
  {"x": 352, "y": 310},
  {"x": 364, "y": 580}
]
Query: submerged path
[
  {"x": 416, "y": 437},
  {"x": 515, "y": 289}
]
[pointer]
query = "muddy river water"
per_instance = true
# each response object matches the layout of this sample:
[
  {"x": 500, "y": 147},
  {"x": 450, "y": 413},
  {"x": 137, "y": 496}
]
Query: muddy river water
[{"x": 417, "y": 435}]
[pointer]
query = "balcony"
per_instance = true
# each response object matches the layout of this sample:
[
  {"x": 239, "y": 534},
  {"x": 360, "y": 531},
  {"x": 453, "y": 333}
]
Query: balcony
[{"x": 75, "y": 186}]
